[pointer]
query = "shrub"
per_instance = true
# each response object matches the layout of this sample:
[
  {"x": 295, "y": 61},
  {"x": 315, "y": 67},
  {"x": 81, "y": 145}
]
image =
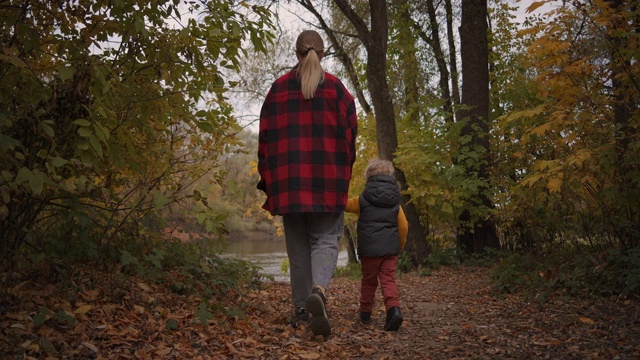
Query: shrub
[
  {"x": 351, "y": 271},
  {"x": 516, "y": 272},
  {"x": 573, "y": 272}
]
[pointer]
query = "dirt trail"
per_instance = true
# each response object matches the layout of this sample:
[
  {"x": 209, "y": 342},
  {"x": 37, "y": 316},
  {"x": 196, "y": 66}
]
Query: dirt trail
[{"x": 451, "y": 314}]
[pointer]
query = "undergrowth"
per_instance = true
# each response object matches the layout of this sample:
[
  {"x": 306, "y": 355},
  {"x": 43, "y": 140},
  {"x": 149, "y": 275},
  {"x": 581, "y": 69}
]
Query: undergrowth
[
  {"x": 570, "y": 273},
  {"x": 185, "y": 268},
  {"x": 351, "y": 271}
]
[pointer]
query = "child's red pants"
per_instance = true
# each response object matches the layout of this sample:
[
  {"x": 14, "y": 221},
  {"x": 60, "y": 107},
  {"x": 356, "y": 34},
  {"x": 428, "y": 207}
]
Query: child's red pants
[{"x": 384, "y": 270}]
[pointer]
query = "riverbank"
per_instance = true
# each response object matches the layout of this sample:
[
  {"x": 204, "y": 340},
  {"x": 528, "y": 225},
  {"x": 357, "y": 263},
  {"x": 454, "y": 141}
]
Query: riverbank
[{"x": 268, "y": 251}]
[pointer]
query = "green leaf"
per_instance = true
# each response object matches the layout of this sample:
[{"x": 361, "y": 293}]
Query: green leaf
[
  {"x": 203, "y": 314},
  {"x": 172, "y": 324},
  {"x": 23, "y": 175},
  {"x": 82, "y": 122},
  {"x": 542, "y": 297},
  {"x": 127, "y": 258},
  {"x": 65, "y": 317},
  {"x": 58, "y": 162},
  {"x": 205, "y": 268},
  {"x": 7, "y": 143},
  {"x": 81, "y": 183},
  {"x": 85, "y": 132},
  {"x": 41, "y": 317},
  {"x": 83, "y": 144},
  {"x": 101, "y": 132},
  {"x": 36, "y": 182},
  {"x": 46, "y": 129},
  {"x": 161, "y": 201},
  {"x": 205, "y": 126},
  {"x": 66, "y": 73},
  {"x": 95, "y": 144},
  {"x": 5, "y": 194}
]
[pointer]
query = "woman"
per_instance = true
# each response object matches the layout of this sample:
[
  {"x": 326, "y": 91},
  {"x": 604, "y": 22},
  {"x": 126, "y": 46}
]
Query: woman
[{"x": 306, "y": 151}]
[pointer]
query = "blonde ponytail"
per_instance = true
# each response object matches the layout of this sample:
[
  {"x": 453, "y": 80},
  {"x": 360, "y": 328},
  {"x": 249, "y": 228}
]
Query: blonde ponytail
[{"x": 310, "y": 47}]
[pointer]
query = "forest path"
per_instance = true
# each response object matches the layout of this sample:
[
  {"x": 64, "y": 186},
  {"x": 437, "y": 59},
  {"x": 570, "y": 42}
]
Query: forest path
[
  {"x": 454, "y": 314},
  {"x": 451, "y": 314}
]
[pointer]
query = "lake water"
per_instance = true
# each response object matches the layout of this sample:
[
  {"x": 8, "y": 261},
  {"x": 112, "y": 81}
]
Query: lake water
[{"x": 265, "y": 251}]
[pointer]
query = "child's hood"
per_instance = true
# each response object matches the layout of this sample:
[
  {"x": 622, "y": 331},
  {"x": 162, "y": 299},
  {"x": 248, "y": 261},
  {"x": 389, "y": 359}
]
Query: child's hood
[{"x": 382, "y": 191}]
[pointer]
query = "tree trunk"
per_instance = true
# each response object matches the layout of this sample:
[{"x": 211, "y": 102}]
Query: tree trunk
[
  {"x": 440, "y": 61},
  {"x": 375, "y": 42},
  {"x": 352, "y": 257},
  {"x": 410, "y": 68},
  {"x": 477, "y": 230},
  {"x": 436, "y": 46},
  {"x": 628, "y": 226},
  {"x": 455, "y": 89}
]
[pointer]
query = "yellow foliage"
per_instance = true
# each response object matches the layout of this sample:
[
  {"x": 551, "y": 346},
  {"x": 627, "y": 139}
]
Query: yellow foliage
[
  {"x": 524, "y": 114},
  {"x": 545, "y": 165},
  {"x": 535, "y": 5},
  {"x": 555, "y": 183},
  {"x": 530, "y": 180},
  {"x": 541, "y": 129},
  {"x": 254, "y": 167},
  {"x": 579, "y": 157}
]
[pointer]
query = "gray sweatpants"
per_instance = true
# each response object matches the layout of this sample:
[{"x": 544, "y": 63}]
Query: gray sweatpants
[{"x": 312, "y": 247}]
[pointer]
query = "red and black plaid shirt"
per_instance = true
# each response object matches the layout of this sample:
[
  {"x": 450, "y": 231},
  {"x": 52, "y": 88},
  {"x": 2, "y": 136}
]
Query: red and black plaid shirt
[{"x": 306, "y": 147}]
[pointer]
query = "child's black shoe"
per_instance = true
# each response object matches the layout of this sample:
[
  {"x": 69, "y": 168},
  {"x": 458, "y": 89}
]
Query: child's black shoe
[
  {"x": 365, "y": 317},
  {"x": 394, "y": 319}
]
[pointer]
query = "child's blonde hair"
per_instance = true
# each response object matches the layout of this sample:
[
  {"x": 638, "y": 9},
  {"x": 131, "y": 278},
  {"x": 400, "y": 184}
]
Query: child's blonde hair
[
  {"x": 310, "y": 47},
  {"x": 378, "y": 167}
]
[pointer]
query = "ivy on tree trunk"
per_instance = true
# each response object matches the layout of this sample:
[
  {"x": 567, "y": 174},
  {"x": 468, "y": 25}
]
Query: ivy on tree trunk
[{"x": 477, "y": 230}]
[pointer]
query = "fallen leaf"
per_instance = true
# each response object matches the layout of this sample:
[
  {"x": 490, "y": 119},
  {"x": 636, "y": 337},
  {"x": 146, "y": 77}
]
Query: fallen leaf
[
  {"x": 366, "y": 351},
  {"x": 586, "y": 320},
  {"x": 90, "y": 346},
  {"x": 163, "y": 352},
  {"x": 309, "y": 355},
  {"x": 144, "y": 286},
  {"x": 83, "y": 309}
]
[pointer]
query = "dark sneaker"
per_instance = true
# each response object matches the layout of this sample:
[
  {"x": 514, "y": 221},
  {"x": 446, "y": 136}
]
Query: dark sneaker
[
  {"x": 394, "y": 319},
  {"x": 365, "y": 317},
  {"x": 300, "y": 317},
  {"x": 316, "y": 305}
]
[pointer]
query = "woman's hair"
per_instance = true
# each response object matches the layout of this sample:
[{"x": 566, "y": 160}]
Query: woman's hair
[
  {"x": 310, "y": 47},
  {"x": 378, "y": 167}
]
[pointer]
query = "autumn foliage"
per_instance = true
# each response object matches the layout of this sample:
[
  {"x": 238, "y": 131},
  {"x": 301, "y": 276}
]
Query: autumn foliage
[{"x": 123, "y": 168}]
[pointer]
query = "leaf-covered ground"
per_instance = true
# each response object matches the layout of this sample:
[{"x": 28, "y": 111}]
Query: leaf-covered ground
[{"x": 451, "y": 314}]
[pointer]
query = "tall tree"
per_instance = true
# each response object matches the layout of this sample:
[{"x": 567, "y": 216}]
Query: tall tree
[
  {"x": 624, "y": 84},
  {"x": 477, "y": 231},
  {"x": 453, "y": 62},
  {"x": 435, "y": 43},
  {"x": 375, "y": 40}
]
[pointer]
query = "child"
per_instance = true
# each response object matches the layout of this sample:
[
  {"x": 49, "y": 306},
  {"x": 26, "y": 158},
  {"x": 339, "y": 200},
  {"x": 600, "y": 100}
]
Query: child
[{"x": 382, "y": 233}]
